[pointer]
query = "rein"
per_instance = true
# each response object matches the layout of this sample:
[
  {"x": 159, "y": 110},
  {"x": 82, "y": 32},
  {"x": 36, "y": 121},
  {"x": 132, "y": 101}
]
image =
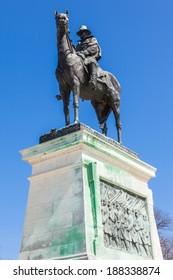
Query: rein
[
  {"x": 68, "y": 39},
  {"x": 69, "y": 42}
]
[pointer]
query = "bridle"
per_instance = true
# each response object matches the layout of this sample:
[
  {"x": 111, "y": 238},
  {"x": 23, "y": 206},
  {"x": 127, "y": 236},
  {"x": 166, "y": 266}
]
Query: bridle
[{"x": 65, "y": 26}]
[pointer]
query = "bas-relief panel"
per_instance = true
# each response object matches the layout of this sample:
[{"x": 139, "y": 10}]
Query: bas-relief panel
[{"x": 125, "y": 220}]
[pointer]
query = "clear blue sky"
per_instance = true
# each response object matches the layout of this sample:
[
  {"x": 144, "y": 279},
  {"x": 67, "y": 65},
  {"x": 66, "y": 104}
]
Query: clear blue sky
[{"x": 137, "y": 45}]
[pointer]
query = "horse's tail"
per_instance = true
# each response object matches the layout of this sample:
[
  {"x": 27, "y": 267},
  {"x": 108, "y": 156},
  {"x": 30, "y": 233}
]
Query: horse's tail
[{"x": 102, "y": 109}]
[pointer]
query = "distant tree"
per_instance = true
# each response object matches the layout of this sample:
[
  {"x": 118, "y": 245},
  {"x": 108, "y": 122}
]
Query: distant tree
[{"x": 164, "y": 225}]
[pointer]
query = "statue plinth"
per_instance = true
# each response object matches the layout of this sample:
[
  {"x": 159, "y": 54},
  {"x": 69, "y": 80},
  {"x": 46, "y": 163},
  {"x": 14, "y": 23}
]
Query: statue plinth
[{"x": 88, "y": 199}]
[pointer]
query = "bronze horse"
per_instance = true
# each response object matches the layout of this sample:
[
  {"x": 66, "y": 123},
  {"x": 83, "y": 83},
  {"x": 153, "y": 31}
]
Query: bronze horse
[{"x": 72, "y": 75}]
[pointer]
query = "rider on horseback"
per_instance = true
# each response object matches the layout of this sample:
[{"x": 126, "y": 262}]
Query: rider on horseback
[{"x": 89, "y": 49}]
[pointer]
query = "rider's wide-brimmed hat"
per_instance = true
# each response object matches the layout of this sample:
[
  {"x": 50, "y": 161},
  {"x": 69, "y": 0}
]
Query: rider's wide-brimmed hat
[{"x": 83, "y": 28}]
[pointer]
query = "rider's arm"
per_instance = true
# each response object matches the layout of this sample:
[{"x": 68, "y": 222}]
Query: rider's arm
[
  {"x": 91, "y": 50},
  {"x": 92, "y": 47}
]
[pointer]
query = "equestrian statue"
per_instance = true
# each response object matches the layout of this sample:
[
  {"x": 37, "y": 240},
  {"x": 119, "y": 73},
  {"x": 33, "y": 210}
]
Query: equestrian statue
[{"x": 78, "y": 71}]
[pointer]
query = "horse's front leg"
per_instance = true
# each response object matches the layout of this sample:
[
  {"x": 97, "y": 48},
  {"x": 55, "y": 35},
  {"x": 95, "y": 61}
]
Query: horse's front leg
[
  {"x": 65, "y": 94},
  {"x": 67, "y": 112},
  {"x": 76, "y": 95}
]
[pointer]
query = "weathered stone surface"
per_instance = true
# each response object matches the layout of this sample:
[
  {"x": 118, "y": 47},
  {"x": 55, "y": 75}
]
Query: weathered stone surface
[
  {"x": 36, "y": 241},
  {"x": 68, "y": 235},
  {"x": 64, "y": 212},
  {"x": 56, "y": 133}
]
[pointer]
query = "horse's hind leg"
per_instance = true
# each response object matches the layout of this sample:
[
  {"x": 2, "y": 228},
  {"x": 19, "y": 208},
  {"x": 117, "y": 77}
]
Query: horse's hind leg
[
  {"x": 116, "y": 111},
  {"x": 104, "y": 128},
  {"x": 102, "y": 110}
]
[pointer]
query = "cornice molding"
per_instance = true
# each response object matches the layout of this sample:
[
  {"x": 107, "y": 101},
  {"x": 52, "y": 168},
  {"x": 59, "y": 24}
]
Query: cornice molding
[{"x": 85, "y": 142}]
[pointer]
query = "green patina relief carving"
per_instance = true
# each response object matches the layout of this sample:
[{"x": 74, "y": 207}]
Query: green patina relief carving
[{"x": 125, "y": 220}]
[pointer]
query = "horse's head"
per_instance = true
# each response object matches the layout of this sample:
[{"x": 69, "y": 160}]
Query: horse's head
[{"x": 61, "y": 21}]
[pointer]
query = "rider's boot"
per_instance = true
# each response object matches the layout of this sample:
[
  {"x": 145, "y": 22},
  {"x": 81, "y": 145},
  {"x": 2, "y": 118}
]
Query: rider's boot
[{"x": 93, "y": 75}]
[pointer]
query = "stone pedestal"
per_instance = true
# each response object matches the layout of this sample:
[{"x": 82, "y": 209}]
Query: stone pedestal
[{"x": 88, "y": 199}]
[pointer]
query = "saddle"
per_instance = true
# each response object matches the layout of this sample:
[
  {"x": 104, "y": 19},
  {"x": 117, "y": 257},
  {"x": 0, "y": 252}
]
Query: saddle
[{"x": 101, "y": 76}]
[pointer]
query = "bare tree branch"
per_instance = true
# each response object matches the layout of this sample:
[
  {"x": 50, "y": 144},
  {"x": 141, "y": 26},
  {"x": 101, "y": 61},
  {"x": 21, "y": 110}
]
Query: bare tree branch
[
  {"x": 167, "y": 247},
  {"x": 163, "y": 220},
  {"x": 164, "y": 225}
]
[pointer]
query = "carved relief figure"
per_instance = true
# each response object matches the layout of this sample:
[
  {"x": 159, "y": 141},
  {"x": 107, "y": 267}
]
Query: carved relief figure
[
  {"x": 114, "y": 219},
  {"x": 137, "y": 233},
  {"x": 119, "y": 216},
  {"x": 128, "y": 226},
  {"x": 146, "y": 235},
  {"x": 105, "y": 217}
]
